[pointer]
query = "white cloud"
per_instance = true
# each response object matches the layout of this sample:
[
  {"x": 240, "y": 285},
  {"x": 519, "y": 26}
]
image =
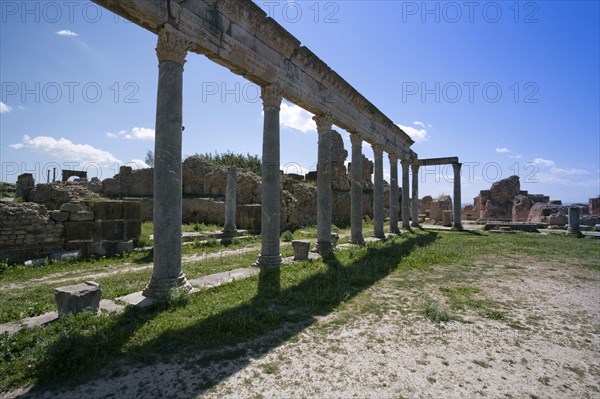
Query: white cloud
[
  {"x": 543, "y": 162},
  {"x": 138, "y": 164},
  {"x": 515, "y": 156},
  {"x": 419, "y": 123},
  {"x": 66, "y": 32},
  {"x": 4, "y": 108},
  {"x": 418, "y": 135},
  {"x": 501, "y": 150},
  {"x": 295, "y": 117},
  {"x": 137, "y": 133},
  {"x": 65, "y": 149},
  {"x": 568, "y": 172}
]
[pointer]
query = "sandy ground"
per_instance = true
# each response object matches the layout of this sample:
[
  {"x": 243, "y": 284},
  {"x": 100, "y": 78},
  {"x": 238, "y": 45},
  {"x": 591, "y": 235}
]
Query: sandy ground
[{"x": 381, "y": 346}]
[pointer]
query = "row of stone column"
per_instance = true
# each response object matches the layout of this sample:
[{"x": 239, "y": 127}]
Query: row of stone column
[{"x": 171, "y": 51}]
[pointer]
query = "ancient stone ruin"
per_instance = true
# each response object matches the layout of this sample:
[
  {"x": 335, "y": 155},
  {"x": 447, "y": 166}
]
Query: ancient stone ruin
[
  {"x": 29, "y": 231},
  {"x": 505, "y": 201}
]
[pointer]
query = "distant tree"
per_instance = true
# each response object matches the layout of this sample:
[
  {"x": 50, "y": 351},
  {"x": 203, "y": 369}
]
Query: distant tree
[
  {"x": 247, "y": 162},
  {"x": 149, "y": 158}
]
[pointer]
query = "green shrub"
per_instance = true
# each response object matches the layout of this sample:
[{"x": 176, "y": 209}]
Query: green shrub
[{"x": 287, "y": 236}]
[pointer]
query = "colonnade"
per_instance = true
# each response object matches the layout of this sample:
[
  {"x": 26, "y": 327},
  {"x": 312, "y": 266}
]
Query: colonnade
[{"x": 171, "y": 51}]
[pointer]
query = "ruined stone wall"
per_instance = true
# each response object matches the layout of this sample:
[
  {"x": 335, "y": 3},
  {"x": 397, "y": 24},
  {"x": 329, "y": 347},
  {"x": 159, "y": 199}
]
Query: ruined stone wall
[
  {"x": 27, "y": 232},
  {"x": 594, "y": 206},
  {"x": 30, "y": 231}
]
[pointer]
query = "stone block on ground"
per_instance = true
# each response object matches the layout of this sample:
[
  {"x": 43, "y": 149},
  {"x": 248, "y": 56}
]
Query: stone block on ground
[
  {"x": 77, "y": 298},
  {"x": 301, "y": 249}
]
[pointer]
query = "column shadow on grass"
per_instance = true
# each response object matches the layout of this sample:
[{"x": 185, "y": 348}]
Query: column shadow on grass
[{"x": 231, "y": 335}]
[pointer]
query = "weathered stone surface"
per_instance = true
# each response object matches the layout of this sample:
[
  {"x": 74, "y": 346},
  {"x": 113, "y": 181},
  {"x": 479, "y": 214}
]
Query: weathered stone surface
[
  {"x": 24, "y": 182},
  {"x": 339, "y": 176},
  {"x": 113, "y": 230},
  {"x": 59, "y": 216},
  {"x": 124, "y": 246},
  {"x": 54, "y": 195},
  {"x": 299, "y": 205},
  {"x": 301, "y": 249},
  {"x": 77, "y": 298},
  {"x": 594, "y": 206},
  {"x": 248, "y": 217},
  {"x": 540, "y": 212},
  {"x": 521, "y": 206},
  {"x": 81, "y": 216},
  {"x": 438, "y": 206},
  {"x": 108, "y": 210},
  {"x": 204, "y": 210},
  {"x": 80, "y": 231},
  {"x": 28, "y": 232},
  {"x": 70, "y": 207},
  {"x": 447, "y": 218},
  {"x": 500, "y": 202},
  {"x": 425, "y": 205},
  {"x": 194, "y": 169},
  {"x": 558, "y": 219}
]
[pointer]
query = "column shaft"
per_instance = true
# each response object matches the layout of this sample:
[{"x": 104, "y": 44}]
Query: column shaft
[
  {"x": 270, "y": 194},
  {"x": 378, "y": 211},
  {"x": 393, "y": 194},
  {"x": 171, "y": 51},
  {"x": 324, "y": 194},
  {"x": 405, "y": 195},
  {"x": 356, "y": 190},
  {"x": 415, "y": 195},
  {"x": 456, "y": 225},
  {"x": 230, "y": 203}
]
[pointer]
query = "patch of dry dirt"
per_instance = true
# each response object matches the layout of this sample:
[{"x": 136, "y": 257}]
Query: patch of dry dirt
[{"x": 381, "y": 346}]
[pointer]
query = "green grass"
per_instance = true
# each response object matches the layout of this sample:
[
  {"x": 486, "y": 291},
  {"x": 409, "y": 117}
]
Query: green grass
[{"x": 76, "y": 347}]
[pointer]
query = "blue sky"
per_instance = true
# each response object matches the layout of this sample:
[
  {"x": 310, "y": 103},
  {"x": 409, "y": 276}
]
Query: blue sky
[{"x": 508, "y": 87}]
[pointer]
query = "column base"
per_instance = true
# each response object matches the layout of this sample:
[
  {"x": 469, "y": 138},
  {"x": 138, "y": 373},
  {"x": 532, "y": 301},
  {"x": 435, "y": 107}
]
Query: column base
[
  {"x": 576, "y": 233},
  {"x": 413, "y": 224},
  {"x": 229, "y": 233},
  {"x": 406, "y": 227},
  {"x": 457, "y": 227},
  {"x": 158, "y": 288},
  {"x": 394, "y": 230},
  {"x": 268, "y": 261},
  {"x": 324, "y": 247},
  {"x": 357, "y": 240}
]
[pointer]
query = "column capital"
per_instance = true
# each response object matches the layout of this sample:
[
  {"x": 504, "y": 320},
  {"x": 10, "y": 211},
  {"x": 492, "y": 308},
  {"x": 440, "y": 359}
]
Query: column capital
[
  {"x": 356, "y": 139},
  {"x": 393, "y": 157},
  {"x": 324, "y": 121},
  {"x": 172, "y": 45},
  {"x": 456, "y": 166},
  {"x": 415, "y": 167},
  {"x": 405, "y": 163},
  {"x": 377, "y": 150},
  {"x": 271, "y": 95}
]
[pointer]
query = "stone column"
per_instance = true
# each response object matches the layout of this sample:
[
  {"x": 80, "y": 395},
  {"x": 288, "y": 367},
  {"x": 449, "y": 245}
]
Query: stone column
[
  {"x": 378, "y": 212},
  {"x": 405, "y": 195},
  {"x": 356, "y": 193},
  {"x": 456, "y": 225},
  {"x": 324, "y": 195},
  {"x": 393, "y": 194},
  {"x": 574, "y": 227},
  {"x": 230, "y": 203},
  {"x": 270, "y": 255},
  {"x": 171, "y": 51},
  {"x": 415, "y": 195}
]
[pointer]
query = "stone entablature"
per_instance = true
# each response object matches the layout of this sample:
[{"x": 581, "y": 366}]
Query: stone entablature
[{"x": 240, "y": 36}]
